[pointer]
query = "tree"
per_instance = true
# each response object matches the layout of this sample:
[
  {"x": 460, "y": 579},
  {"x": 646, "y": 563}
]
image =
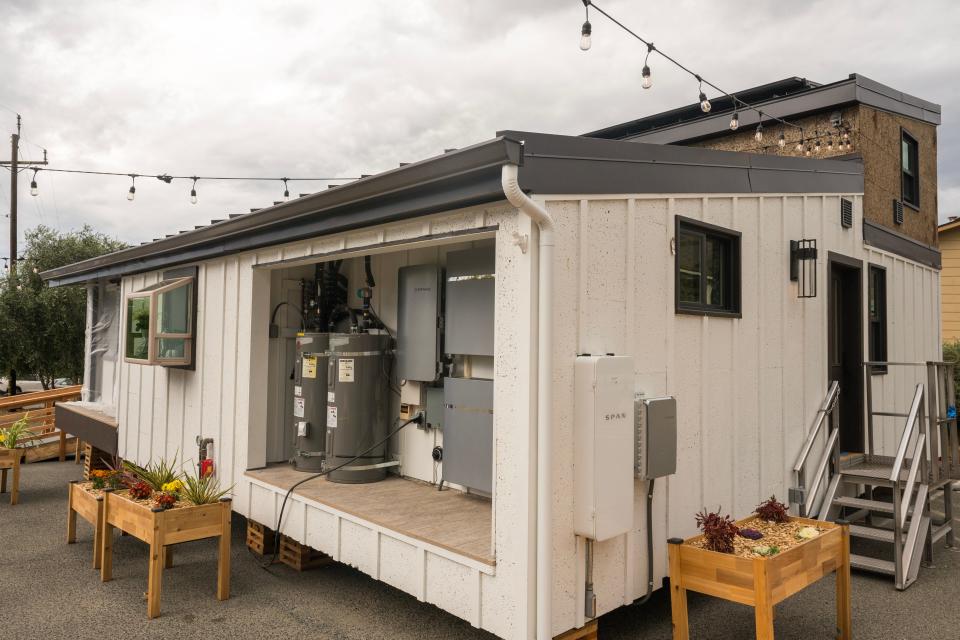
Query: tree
[{"x": 42, "y": 328}]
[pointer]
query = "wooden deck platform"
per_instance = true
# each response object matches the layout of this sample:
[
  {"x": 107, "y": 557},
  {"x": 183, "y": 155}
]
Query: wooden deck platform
[{"x": 449, "y": 519}]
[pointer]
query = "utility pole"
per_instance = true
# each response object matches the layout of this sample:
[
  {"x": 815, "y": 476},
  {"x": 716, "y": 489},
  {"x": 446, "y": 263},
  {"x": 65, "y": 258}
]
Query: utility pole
[{"x": 14, "y": 168}]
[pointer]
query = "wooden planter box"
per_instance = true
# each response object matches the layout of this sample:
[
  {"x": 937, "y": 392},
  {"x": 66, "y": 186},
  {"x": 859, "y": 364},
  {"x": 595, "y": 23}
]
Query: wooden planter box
[
  {"x": 761, "y": 582},
  {"x": 89, "y": 506},
  {"x": 10, "y": 460},
  {"x": 160, "y": 529}
]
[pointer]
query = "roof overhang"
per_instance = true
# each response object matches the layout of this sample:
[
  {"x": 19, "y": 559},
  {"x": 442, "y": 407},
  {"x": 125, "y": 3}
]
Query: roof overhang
[
  {"x": 855, "y": 89},
  {"x": 549, "y": 165}
]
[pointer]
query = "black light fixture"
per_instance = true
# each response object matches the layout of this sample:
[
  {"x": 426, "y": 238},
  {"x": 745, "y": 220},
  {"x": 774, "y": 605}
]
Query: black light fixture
[{"x": 803, "y": 267}]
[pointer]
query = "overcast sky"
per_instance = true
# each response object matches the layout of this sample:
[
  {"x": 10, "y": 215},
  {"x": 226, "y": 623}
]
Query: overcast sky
[{"x": 340, "y": 89}]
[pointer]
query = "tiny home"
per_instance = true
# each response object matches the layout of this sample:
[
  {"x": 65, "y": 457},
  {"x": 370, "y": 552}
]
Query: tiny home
[{"x": 524, "y": 364}]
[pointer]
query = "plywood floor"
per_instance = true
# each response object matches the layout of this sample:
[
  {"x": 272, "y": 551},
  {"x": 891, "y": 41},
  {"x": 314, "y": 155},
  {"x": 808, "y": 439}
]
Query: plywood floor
[{"x": 449, "y": 519}]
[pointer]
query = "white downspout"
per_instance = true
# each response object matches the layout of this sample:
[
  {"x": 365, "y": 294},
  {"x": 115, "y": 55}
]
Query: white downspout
[{"x": 544, "y": 222}]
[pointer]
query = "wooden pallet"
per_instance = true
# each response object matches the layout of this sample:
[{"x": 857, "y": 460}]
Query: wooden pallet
[
  {"x": 259, "y": 538},
  {"x": 301, "y": 557}
]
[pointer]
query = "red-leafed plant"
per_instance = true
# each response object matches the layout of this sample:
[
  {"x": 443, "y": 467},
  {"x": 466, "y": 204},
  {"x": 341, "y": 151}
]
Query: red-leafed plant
[
  {"x": 165, "y": 500},
  {"x": 718, "y": 531},
  {"x": 140, "y": 491},
  {"x": 772, "y": 511}
]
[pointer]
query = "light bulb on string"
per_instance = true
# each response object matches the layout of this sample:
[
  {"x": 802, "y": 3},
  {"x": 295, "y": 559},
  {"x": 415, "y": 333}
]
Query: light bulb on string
[
  {"x": 816, "y": 146},
  {"x": 829, "y": 144},
  {"x": 735, "y": 121},
  {"x": 193, "y": 192},
  {"x": 808, "y": 151},
  {"x": 758, "y": 135},
  {"x": 34, "y": 190},
  {"x": 647, "y": 77},
  {"x": 286, "y": 189},
  {"x": 586, "y": 30},
  {"x": 781, "y": 140},
  {"x": 133, "y": 188}
]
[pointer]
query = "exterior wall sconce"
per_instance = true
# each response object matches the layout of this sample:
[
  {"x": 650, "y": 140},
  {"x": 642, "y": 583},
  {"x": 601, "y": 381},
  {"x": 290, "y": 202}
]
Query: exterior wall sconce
[{"x": 803, "y": 267}]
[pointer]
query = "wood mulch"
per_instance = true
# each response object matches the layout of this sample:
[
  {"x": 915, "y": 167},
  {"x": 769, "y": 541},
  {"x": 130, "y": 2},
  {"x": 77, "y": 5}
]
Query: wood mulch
[{"x": 782, "y": 536}]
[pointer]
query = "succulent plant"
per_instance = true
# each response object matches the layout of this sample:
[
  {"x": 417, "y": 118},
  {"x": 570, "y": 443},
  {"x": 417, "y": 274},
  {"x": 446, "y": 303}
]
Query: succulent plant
[
  {"x": 140, "y": 491},
  {"x": 772, "y": 511},
  {"x": 718, "y": 531},
  {"x": 165, "y": 500}
]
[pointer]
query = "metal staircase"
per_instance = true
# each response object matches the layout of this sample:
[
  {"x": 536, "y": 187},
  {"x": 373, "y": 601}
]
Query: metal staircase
[{"x": 887, "y": 498}]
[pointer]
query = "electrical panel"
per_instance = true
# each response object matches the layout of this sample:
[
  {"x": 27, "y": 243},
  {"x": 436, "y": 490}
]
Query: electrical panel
[
  {"x": 468, "y": 432},
  {"x": 655, "y": 444},
  {"x": 418, "y": 322},
  {"x": 603, "y": 446},
  {"x": 469, "y": 292}
]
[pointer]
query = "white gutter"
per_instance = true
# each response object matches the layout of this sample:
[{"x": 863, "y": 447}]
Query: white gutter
[{"x": 544, "y": 546}]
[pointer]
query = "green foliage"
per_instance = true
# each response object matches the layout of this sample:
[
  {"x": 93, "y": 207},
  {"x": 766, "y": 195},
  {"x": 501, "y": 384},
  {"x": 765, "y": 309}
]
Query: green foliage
[
  {"x": 43, "y": 327},
  {"x": 951, "y": 353},
  {"x": 155, "y": 474},
  {"x": 205, "y": 490},
  {"x": 13, "y": 433}
]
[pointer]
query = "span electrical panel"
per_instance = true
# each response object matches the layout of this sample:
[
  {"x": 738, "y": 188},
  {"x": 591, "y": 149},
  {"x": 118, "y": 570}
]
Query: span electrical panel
[
  {"x": 603, "y": 446},
  {"x": 656, "y": 437},
  {"x": 468, "y": 433},
  {"x": 418, "y": 322}
]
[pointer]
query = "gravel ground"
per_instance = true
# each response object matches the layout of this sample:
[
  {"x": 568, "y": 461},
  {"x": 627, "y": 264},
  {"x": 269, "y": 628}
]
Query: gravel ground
[{"x": 49, "y": 590}]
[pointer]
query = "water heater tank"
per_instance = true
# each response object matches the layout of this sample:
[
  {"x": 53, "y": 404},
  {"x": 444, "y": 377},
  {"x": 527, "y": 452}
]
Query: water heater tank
[
  {"x": 310, "y": 401},
  {"x": 357, "y": 397}
]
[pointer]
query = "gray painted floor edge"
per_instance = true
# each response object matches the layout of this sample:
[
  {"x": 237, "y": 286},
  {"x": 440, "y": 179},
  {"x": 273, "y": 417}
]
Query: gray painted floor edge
[{"x": 49, "y": 589}]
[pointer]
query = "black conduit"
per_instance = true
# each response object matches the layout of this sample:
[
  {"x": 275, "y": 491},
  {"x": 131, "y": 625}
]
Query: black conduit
[{"x": 644, "y": 599}]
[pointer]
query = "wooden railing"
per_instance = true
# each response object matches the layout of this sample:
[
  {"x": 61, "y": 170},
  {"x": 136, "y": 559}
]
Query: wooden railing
[{"x": 41, "y": 421}]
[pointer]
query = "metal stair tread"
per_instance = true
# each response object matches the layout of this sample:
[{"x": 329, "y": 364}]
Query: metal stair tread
[
  {"x": 859, "y": 531},
  {"x": 862, "y": 503},
  {"x": 877, "y": 565}
]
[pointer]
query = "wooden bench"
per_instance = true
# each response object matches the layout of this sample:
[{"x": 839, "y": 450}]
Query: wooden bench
[{"x": 44, "y": 439}]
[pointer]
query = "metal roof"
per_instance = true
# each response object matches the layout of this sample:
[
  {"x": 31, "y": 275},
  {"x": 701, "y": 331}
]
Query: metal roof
[
  {"x": 549, "y": 165},
  {"x": 789, "y": 98}
]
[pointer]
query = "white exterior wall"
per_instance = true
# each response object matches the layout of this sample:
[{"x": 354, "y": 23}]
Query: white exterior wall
[{"x": 747, "y": 388}]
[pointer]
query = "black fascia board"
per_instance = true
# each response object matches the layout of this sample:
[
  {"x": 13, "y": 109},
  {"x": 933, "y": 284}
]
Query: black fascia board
[{"x": 461, "y": 178}]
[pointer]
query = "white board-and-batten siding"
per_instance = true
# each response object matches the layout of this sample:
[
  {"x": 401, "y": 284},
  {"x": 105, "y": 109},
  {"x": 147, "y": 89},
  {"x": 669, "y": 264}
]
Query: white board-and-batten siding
[{"x": 747, "y": 388}]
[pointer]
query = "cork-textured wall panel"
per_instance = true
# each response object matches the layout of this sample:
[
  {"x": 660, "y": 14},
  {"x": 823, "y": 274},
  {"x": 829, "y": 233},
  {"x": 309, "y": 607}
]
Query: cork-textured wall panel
[{"x": 875, "y": 135}]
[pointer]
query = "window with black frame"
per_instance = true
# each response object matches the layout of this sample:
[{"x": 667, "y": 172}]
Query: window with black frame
[
  {"x": 910, "y": 170},
  {"x": 877, "y": 316},
  {"x": 707, "y": 269}
]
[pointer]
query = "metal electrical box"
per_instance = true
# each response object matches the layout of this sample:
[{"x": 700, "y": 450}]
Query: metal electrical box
[
  {"x": 418, "y": 322},
  {"x": 656, "y": 438},
  {"x": 603, "y": 446},
  {"x": 468, "y": 433},
  {"x": 470, "y": 287}
]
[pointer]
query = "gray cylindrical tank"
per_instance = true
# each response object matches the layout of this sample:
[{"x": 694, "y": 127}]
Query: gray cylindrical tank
[
  {"x": 310, "y": 401},
  {"x": 357, "y": 399}
]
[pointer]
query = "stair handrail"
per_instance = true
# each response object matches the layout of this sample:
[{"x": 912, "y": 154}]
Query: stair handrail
[
  {"x": 907, "y": 435},
  {"x": 829, "y": 400},
  {"x": 911, "y": 480},
  {"x": 828, "y": 453}
]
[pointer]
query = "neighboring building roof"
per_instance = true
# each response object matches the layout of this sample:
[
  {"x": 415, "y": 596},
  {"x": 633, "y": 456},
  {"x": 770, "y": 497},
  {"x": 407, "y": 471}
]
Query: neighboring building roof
[
  {"x": 550, "y": 165},
  {"x": 949, "y": 225},
  {"x": 789, "y": 98}
]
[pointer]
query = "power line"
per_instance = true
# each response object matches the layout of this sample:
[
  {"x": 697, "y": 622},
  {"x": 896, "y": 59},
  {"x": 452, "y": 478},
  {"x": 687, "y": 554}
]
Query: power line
[{"x": 585, "y": 43}]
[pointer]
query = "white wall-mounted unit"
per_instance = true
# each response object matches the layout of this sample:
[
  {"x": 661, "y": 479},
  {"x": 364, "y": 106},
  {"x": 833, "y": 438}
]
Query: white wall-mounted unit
[{"x": 603, "y": 446}]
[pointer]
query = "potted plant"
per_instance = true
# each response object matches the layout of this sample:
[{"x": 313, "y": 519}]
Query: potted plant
[
  {"x": 11, "y": 451},
  {"x": 758, "y": 561}
]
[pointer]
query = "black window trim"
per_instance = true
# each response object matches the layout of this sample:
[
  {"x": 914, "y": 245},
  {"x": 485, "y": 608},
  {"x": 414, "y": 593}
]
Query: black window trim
[
  {"x": 687, "y": 308},
  {"x": 906, "y": 135},
  {"x": 877, "y": 370}
]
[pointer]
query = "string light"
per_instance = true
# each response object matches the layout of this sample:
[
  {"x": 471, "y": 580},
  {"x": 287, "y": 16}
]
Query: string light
[
  {"x": 758, "y": 136},
  {"x": 286, "y": 190},
  {"x": 193, "y": 192},
  {"x": 781, "y": 140},
  {"x": 735, "y": 121},
  {"x": 587, "y": 29},
  {"x": 705, "y": 105},
  {"x": 647, "y": 79},
  {"x": 133, "y": 188},
  {"x": 816, "y": 145},
  {"x": 830, "y": 144},
  {"x": 808, "y": 151},
  {"x": 34, "y": 190}
]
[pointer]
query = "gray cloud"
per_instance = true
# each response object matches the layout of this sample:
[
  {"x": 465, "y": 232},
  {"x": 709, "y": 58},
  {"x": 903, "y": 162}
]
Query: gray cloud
[{"x": 304, "y": 88}]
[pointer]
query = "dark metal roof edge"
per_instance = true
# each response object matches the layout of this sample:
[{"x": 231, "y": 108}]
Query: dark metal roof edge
[
  {"x": 855, "y": 88},
  {"x": 495, "y": 152},
  {"x": 886, "y": 239}
]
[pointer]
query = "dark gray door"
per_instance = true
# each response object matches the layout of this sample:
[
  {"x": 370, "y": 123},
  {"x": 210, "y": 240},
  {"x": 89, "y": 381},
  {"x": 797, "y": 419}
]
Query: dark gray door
[{"x": 845, "y": 348}]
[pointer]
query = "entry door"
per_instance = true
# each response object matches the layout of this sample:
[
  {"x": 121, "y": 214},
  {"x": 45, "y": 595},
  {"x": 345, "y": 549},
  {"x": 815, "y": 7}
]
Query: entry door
[{"x": 845, "y": 349}]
